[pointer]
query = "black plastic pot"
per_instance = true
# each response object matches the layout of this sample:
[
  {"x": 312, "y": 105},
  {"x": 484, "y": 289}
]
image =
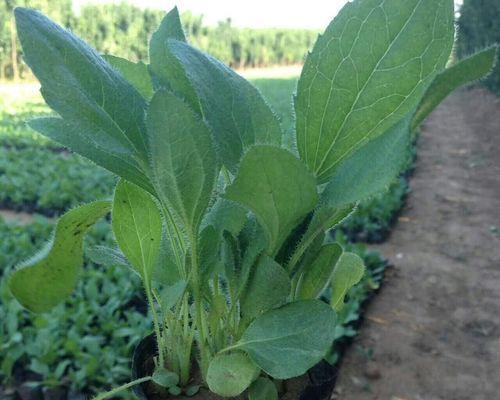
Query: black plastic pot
[{"x": 318, "y": 382}]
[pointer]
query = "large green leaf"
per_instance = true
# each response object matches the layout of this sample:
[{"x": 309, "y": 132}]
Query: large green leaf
[
  {"x": 348, "y": 272},
  {"x": 371, "y": 169},
  {"x": 463, "y": 72},
  {"x": 287, "y": 341},
  {"x": 366, "y": 72},
  {"x": 230, "y": 374},
  {"x": 277, "y": 187},
  {"x": 76, "y": 136},
  {"x": 317, "y": 276},
  {"x": 268, "y": 287},
  {"x": 137, "y": 226},
  {"x": 136, "y": 74},
  {"x": 49, "y": 277},
  {"x": 183, "y": 158},
  {"x": 234, "y": 109},
  {"x": 83, "y": 88}
]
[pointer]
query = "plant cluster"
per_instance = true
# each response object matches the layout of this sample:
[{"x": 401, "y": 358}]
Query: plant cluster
[{"x": 223, "y": 224}]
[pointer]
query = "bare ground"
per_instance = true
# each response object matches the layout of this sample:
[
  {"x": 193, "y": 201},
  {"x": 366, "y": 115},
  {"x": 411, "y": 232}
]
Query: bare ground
[{"x": 433, "y": 333}]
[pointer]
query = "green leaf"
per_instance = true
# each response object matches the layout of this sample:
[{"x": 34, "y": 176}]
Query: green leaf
[
  {"x": 182, "y": 158},
  {"x": 171, "y": 294},
  {"x": 263, "y": 389},
  {"x": 226, "y": 215},
  {"x": 165, "y": 378},
  {"x": 371, "y": 169},
  {"x": 108, "y": 256},
  {"x": 136, "y": 74},
  {"x": 277, "y": 188},
  {"x": 348, "y": 272},
  {"x": 77, "y": 136},
  {"x": 317, "y": 276},
  {"x": 324, "y": 218},
  {"x": 164, "y": 66},
  {"x": 465, "y": 71},
  {"x": 367, "y": 71},
  {"x": 48, "y": 278},
  {"x": 83, "y": 88},
  {"x": 268, "y": 287},
  {"x": 287, "y": 341},
  {"x": 233, "y": 108},
  {"x": 137, "y": 226},
  {"x": 230, "y": 374}
]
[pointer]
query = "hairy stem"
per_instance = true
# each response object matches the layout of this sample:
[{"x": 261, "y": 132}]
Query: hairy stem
[{"x": 115, "y": 391}]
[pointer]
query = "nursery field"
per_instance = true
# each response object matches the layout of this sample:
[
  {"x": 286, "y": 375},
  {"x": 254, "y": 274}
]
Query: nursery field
[
  {"x": 433, "y": 332},
  {"x": 60, "y": 355}
]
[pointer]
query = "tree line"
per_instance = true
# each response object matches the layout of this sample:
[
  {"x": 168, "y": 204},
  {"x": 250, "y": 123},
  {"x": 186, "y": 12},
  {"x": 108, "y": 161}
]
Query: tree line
[{"x": 123, "y": 30}]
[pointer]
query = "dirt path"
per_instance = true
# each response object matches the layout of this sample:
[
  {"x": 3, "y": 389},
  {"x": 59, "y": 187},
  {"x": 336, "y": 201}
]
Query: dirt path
[{"x": 433, "y": 332}]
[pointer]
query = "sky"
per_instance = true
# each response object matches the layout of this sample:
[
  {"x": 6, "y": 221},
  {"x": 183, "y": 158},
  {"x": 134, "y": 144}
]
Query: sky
[{"x": 313, "y": 14}]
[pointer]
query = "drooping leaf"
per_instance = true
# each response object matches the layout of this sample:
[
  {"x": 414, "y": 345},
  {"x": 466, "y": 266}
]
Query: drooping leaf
[
  {"x": 263, "y": 389},
  {"x": 136, "y": 74},
  {"x": 287, "y": 341},
  {"x": 137, "y": 226},
  {"x": 268, "y": 287},
  {"x": 267, "y": 181},
  {"x": 171, "y": 294},
  {"x": 348, "y": 272},
  {"x": 226, "y": 215},
  {"x": 234, "y": 109},
  {"x": 48, "y": 278},
  {"x": 371, "y": 169},
  {"x": 366, "y": 72},
  {"x": 83, "y": 88},
  {"x": 465, "y": 71},
  {"x": 230, "y": 374},
  {"x": 317, "y": 276},
  {"x": 183, "y": 159}
]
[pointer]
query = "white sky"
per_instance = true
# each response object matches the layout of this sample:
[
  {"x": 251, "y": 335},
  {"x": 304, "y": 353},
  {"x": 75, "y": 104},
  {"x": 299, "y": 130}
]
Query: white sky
[{"x": 314, "y": 14}]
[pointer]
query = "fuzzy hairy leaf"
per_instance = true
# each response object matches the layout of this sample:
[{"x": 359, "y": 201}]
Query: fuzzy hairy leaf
[
  {"x": 83, "y": 88},
  {"x": 183, "y": 159},
  {"x": 137, "y": 226},
  {"x": 136, "y": 74},
  {"x": 263, "y": 389},
  {"x": 268, "y": 287},
  {"x": 267, "y": 181},
  {"x": 348, "y": 272},
  {"x": 49, "y": 277},
  {"x": 318, "y": 274},
  {"x": 233, "y": 108},
  {"x": 287, "y": 341},
  {"x": 230, "y": 374},
  {"x": 165, "y": 68},
  {"x": 465, "y": 71},
  {"x": 75, "y": 136},
  {"x": 366, "y": 72},
  {"x": 371, "y": 169}
]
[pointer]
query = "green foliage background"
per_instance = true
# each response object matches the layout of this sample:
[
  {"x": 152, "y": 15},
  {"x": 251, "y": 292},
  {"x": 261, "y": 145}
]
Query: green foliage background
[
  {"x": 478, "y": 27},
  {"x": 124, "y": 30}
]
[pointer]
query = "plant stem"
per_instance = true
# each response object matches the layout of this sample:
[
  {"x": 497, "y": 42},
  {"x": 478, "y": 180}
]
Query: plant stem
[
  {"x": 156, "y": 323},
  {"x": 115, "y": 391}
]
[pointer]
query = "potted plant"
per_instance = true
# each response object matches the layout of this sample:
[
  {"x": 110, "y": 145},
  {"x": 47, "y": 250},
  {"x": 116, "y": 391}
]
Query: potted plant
[{"x": 225, "y": 226}]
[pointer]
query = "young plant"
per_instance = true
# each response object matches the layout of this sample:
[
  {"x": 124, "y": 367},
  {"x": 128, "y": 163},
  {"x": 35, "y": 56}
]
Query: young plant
[{"x": 225, "y": 226}]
